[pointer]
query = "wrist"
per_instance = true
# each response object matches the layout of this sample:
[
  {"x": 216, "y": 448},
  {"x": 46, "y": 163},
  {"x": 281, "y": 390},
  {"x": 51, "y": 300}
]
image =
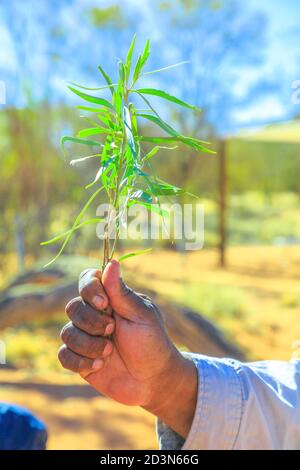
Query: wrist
[{"x": 175, "y": 397}]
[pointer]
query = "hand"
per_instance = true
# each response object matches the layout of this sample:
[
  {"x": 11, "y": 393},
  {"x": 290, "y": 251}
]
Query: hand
[{"x": 125, "y": 353}]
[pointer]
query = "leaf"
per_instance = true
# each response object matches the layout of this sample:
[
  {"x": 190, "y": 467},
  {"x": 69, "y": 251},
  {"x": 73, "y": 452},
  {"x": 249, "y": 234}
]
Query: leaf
[
  {"x": 61, "y": 235},
  {"x": 141, "y": 61},
  {"x": 83, "y": 159},
  {"x": 75, "y": 224},
  {"x": 136, "y": 253},
  {"x": 142, "y": 196},
  {"x": 118, "y": 99},
  {"x": 129, "y": 57},
  {"x": 121, "y": 72},
  {"x": 151, "y": 207},
  {"x": 159, "y": 122},
  {"x": 156, "y": 149},
  {"x": 146, "y": 52},
  {"x": 128, "y": 130},
  {"x": 168, "y": 67},
  {"x": 92, "y": 99},
  {"x": 165, "y": 189},
  {"x": 93, "y": 131},
  {"x": 166, "y": 96},
  {"x": 91, "y": 88},
  {"x": 91, "y": 110},
  {"x": 76, "y": 140},
  {"x": 104, "y": 166},
  {"x": 107, "y": 79},
  {"x": 197, "y": 144}
]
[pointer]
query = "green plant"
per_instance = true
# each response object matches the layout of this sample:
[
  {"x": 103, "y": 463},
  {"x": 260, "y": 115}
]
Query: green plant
[{"x": 122, "y": 171}]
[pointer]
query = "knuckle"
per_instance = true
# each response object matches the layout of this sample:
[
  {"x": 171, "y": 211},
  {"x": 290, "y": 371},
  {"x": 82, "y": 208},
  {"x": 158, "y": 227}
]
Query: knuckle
[
  {"x": 87, "y": 288},
  {"x": 65, "y": 333},
  {"x": 72, "y": 306},
  {"x": 86, "y": 272},
  {"x": 84, "y": 365},
  {"x": 92, "y": 346},
  {"x": 62, "y": 355}
]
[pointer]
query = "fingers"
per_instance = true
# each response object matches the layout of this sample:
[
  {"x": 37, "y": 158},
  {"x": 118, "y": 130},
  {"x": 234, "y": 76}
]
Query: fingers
[
  {"x": 88, "y": 319},
  {"x": 79, "y": 364},
  {"x": 124, "y": 300},
  {"x": 91, "y": 289},
  {"x": 81, "y": 343}
]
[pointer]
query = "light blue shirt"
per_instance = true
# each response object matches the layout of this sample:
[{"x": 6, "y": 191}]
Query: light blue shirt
[{"x": 242, "y": 406}]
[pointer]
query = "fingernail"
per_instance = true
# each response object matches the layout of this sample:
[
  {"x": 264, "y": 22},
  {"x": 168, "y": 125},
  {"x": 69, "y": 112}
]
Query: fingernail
[
  {"x": 107, "y": 350},
  {"x": 98, "y": 301},
  {"x": 109, "y": 329},
  {"x": 97, "y": 364}
]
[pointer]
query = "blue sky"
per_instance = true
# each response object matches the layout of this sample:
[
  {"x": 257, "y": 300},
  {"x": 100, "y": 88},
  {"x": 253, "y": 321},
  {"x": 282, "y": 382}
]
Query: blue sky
[{"x": 282, "y": 55}]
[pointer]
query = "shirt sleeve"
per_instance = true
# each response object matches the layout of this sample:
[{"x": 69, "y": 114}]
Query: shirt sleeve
[{"x": 241, "y": 406}]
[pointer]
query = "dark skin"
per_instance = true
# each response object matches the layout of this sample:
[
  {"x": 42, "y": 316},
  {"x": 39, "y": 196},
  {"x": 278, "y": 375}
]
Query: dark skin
[{"x": 116, "y": 341}]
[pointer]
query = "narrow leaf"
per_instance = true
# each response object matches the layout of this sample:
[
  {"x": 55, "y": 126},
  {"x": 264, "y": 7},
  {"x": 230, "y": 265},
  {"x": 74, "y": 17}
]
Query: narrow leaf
[
  {"x": 91, "y": 99},
  {"x": 156, "y": 149},
  {"x": 162, "y": 124},
  {"x": 76, "y": 140},
  {"x": 164, "y": 95},
  {"x": 136, "y": 253},
  {"x": 107, "y": 79},
  {"x": 128, "y": 130},
  {"x": 168, "y": 67},
  {"x": 196, "y": 144},
  {"x": 92, "y": 88},
  {"x": 93, "y": 131},
  {"x": 129, "y": 57},
  {"x": 64, "y": 234},
  {"x": 83, "y": 159},
  {"x": 76, "y": 223}
]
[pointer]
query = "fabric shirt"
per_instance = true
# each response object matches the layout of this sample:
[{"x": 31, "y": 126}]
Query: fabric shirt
[{"x": 241, "y": 406}]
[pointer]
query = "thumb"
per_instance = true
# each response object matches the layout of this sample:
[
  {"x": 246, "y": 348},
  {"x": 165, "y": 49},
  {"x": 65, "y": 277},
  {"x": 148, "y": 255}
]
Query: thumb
[{"x": 123, "y": 300}]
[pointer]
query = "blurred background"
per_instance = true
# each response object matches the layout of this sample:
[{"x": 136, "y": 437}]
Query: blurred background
[{"x": 240, "y": 295}]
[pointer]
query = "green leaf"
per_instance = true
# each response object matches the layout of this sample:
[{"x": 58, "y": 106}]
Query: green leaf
[
  {"x": 75, "y": 224},
  {"x": 141, "y": 61},
  {"x": 76, "y": 140},
  {"x": 107, "y": 79},
  {"x": 151, "y": 207},
  {"x": 91, "y": 88},
  {"x": 64, "y": 234},
  {"x": 118, "y": 99},
  {"x": 146, "y": 52},
  {"x": 92, "y": 99},
  {"x": 141, "y": 196},
  {"x": 83, "y": 159},
  {"x": 165, "y": 189},
  {"x": 136, "y": 253},
  {"x": 90, "y": 110},
  {"x": 104, "y": 166},
  {"x": 93, "y": 131},
  {"x": 196, "y": 144},
  {"x": 156, "y": 149},
  {"x": 164, "y": 95},
  {"x": 128, "y": 130},
  {"x": 122, "y": 72},
  {"x": 159, "y": 122},
  {"x": 168, "y": 67},
  {"x": 129, "y": 57}
]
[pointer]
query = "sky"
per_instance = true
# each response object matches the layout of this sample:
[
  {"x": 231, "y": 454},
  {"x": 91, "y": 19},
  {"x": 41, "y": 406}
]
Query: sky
[{"x": 282, "y": 54}]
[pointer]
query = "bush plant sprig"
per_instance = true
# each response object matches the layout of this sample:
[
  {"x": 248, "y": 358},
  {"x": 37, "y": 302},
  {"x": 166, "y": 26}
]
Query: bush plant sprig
[{"x": 123, "y": 165}]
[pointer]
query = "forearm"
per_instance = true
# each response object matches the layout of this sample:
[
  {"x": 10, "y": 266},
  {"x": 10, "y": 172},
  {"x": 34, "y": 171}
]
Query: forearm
[{"x": 176, "y": 398}]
